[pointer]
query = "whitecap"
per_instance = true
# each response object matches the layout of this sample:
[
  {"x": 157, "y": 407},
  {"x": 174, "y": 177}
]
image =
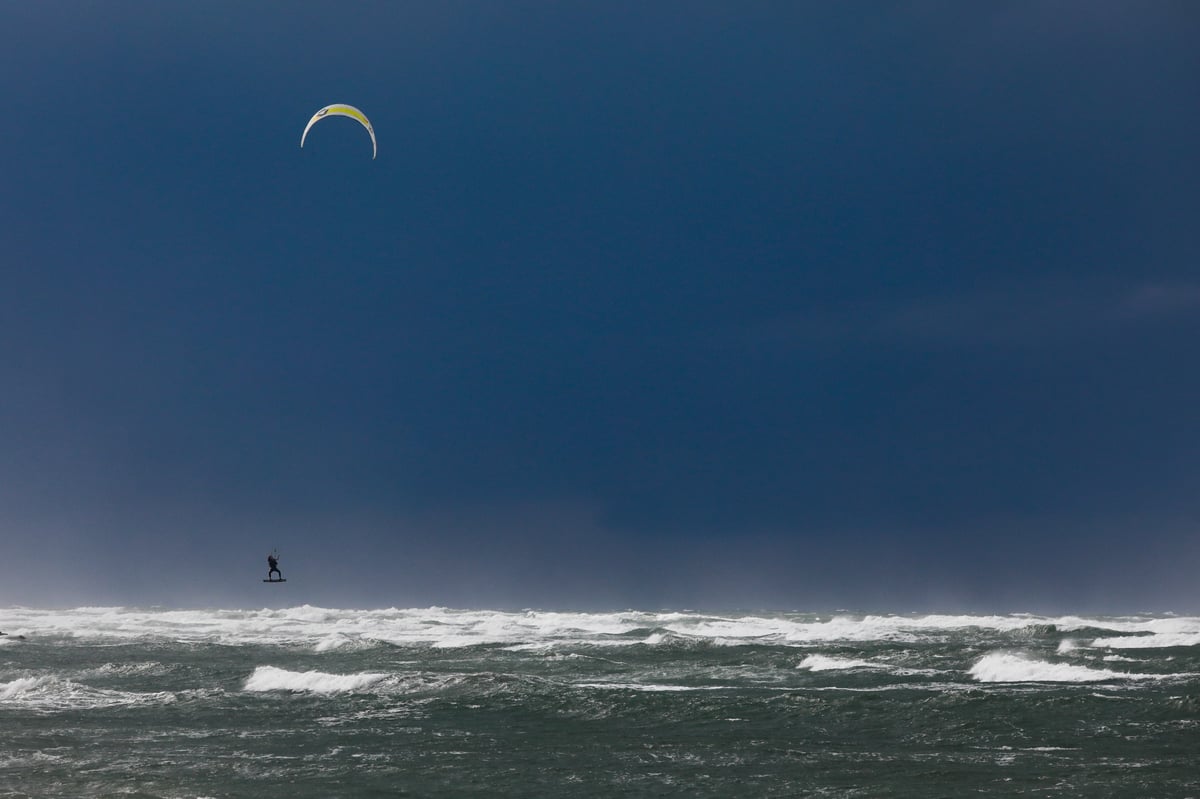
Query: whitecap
[
  {"x": 270, "y": 678},
  {"x": 1151, "y": 641},
  {"x": 1004, "y": 667},
  {"x": 324, "y": 629},
  {"x": 50, "y": 693},
  {"x": 828, "y": 663},
  {"x": 343, "y": 642}
]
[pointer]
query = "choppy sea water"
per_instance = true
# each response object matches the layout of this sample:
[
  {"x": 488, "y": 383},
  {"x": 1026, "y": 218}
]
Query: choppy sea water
[{"x": 316, "y": 702}]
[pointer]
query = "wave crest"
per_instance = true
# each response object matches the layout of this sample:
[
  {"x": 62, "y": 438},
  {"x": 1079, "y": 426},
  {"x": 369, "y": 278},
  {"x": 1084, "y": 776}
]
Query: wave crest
[
  {"x": 1006, "y": 667},
  {"x": 829, "y": 663},
  {"x": 271, "y": 678},
  {"x": 47, "y": 692},
  {"x": 327, "y": 630}
]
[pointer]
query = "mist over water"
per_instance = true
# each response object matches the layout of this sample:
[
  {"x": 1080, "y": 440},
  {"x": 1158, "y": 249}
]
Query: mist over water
[{"x": 439, "y": 702}]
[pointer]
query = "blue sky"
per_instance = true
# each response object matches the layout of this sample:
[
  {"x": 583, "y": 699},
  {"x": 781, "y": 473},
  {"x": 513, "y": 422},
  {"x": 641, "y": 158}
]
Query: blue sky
[{"x": 877, "y": 305}]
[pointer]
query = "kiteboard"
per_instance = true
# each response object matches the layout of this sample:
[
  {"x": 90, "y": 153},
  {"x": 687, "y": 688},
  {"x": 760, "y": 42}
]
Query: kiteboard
[{"x": 280, "y": 580}]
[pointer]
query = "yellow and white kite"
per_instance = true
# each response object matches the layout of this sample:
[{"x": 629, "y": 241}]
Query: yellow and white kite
[{"x": 342, "y": 110}]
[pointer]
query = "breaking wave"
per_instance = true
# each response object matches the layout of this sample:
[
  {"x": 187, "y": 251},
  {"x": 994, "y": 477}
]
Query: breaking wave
[
  {"x": 1155, "y": 634},
  {"x": 270, "y": 678},
  {"x": 51, "y": 693},
  {"x": 325, "y": 630},
  {"x": 1004, "y": 667},
  {"x": 1152, "y": 641}
]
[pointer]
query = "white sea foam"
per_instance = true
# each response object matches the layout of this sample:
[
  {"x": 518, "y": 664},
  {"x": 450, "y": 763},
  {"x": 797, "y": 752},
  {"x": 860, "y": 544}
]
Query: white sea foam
[
  {"x": 22, "y": 686},
  {"x": 1007, "y": 667},
  {"x": 270, "y": 678},
  {"x": 36, "y": 759},
  {"x": 652, "y": 687},
  {"x": 48, "y": 692},
  {"x": 327, "y": 630},
  {"x": 1175, "y": 631},
  {"x": 143, "y": 669},
  {"x": 344, "y": 642},
  {"x": 1152, "y": 641},
  {"x": 827, "y": 663}
]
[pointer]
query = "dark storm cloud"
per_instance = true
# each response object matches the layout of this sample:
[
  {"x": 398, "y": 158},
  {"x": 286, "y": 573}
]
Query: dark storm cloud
[
  {"x": 639, "y": 304},
  {"x": 1045, "y": 313}
]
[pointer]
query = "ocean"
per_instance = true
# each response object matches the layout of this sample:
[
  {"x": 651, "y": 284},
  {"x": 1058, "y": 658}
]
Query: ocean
[{"x": 436, "y": 702}]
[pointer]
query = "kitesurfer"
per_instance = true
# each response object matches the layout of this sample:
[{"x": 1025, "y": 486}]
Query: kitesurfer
[{"x": 273, "y": 567}]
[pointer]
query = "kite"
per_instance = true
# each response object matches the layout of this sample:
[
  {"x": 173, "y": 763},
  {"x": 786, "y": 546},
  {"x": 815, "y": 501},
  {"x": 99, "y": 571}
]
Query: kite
[{"x": 342, "y": 110}]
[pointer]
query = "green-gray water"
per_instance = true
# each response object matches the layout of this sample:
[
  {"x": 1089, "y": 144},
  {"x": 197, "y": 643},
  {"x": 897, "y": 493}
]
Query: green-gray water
[{"x": 311, "y": 702}]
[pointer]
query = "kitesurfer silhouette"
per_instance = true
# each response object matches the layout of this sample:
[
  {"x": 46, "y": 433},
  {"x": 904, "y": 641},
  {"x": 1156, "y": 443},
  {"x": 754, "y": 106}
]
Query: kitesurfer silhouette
[{"x": 273, "y": 567}]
